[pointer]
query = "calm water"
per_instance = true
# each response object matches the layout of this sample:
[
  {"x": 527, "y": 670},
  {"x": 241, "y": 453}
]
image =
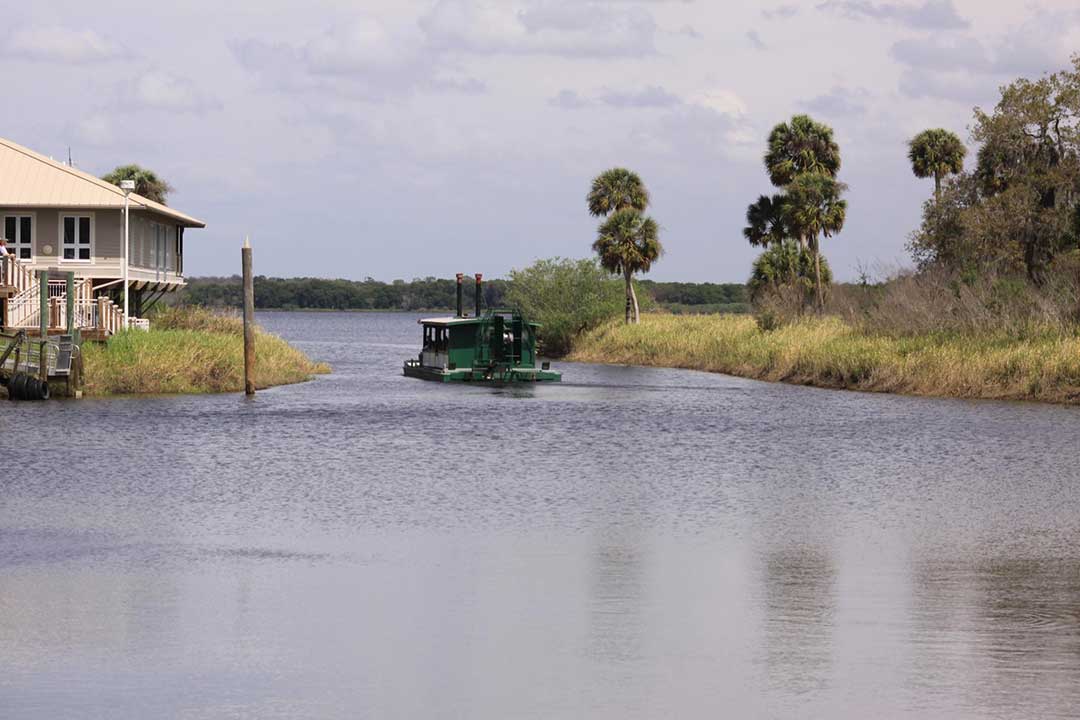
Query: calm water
[{"x": 634, "y": 543}]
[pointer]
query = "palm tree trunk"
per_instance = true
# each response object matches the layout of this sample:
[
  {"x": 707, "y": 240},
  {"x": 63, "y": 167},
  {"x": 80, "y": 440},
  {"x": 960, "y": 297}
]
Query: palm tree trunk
[
  {"x": 817, "y": 280},
  {"x": 937, "y": 187},
  {"x": 633, "y": 296},
  {"x": 629, "y": 297}
]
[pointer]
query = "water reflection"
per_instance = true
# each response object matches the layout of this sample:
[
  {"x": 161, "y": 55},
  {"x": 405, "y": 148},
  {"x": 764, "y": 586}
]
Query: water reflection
[{"x": 799, "y": 610}]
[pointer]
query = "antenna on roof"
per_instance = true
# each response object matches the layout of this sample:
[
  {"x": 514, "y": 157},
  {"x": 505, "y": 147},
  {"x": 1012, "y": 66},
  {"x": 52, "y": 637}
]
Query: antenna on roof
[{"x": 69, "y": 157}]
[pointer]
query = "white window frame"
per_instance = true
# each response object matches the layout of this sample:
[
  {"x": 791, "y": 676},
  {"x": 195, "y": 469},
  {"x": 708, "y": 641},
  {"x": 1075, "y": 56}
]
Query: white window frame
[
  {"x": 13, "y": 249},
  {"x": 60, "y": 238}
]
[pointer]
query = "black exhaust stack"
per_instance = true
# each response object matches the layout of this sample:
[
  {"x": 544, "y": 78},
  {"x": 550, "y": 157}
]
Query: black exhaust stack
[
  {"x": 460, "y": 276},
  {"x": 479, "y": 279}
]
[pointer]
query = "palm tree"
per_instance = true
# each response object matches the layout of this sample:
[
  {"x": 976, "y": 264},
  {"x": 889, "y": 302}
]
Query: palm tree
[
  {"x": 936, "y": 153},
  {"x": 627, "y": 243},
  {"x": 766, "y": 221},
  {"x": 785, "y": 265},
  {"x": 617, "y": 189},
  {"x": 816, "y": 209},
  {"x": 147, "y": 183},
  {"x": 803, "y": 146}
]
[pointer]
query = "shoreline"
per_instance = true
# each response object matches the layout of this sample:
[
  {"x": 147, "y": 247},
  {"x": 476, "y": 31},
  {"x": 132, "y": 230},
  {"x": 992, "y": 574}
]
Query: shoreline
[
  {"x": 190, "y": 352},
  {"x": 830, "y": 354}
]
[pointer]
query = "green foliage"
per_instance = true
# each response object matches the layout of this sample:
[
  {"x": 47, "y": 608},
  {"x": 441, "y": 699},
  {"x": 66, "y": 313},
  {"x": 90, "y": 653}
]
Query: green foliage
[
  {"x": 321, "y": 294},
  {"x": 1018, "y": 209},
  {"x": 815, "y": 207},
  {"x": 783, "y": 270},
  {"x": 799, "y": 147},
  {"x": 936, "y": 153},
  {"x": 617, "y": 189},
  {"x": 694, "y": 294},
  {"x": 567, "y": 296},
  {"x": 766, "y": 220},
  {"x": 147, "y": 183},
  {"x": 628, "y": 242}
]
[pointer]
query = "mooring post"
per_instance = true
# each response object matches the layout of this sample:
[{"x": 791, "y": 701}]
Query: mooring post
[
  {"x": 479, "y": 293},
  {"x": 71, "y": 303},
  {"x": 249, "y": 320},
  {"x": 43, "y": 352}
]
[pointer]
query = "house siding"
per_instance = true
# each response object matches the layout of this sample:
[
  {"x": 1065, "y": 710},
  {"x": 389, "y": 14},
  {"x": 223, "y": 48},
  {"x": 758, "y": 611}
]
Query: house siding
[{"x": 108, "y": 229}]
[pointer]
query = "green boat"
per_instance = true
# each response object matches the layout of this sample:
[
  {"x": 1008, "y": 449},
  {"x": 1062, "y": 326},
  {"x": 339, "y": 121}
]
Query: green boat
[{"x": 497, "y": 346}]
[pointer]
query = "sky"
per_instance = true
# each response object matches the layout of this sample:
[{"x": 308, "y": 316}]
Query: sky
[{"x": 397, "y": 139}]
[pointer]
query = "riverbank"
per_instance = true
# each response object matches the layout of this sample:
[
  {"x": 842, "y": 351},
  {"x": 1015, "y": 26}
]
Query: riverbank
[
  {"x": 829, "y": 353},
  {"x": 191, "y": 351}
]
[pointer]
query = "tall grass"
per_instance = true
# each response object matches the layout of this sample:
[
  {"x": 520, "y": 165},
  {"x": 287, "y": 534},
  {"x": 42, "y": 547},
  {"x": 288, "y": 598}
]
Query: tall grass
[
  {"x": 190, "y": 350},
  {"x": 833, "y": 352}
]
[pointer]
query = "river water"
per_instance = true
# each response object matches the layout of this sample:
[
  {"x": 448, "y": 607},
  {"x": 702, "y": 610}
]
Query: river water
[{"x": 632, "y": 543}]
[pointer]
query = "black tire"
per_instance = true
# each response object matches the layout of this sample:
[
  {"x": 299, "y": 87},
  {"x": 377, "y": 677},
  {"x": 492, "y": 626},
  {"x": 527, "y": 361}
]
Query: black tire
[
  {"x": 43, "y": 390},
  {"x": 17, "y": 386}
]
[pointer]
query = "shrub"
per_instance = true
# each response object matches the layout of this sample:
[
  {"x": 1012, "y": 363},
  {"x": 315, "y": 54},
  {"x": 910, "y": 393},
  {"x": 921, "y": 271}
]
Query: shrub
[{"x": 567, "y": 297}]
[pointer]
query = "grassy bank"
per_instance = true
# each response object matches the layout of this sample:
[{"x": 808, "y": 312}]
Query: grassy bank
[
  {"x": 831, "y": 353},
  {"x": 190, "y": 351}
]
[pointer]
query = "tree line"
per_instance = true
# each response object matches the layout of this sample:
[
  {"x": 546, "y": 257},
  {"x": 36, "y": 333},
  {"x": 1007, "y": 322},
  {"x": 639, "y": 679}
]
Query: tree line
[{"x": 428, "y": 293}]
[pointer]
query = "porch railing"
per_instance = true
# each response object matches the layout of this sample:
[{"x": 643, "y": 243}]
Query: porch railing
[
  {"x": 90, "y": 313},
  {"x": 13, "y": 273}
]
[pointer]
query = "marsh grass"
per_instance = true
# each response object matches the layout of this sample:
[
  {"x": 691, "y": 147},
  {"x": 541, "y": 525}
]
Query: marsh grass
[
  {"x": 191, "y": 350},
  {"x": 831, "y": 352}
]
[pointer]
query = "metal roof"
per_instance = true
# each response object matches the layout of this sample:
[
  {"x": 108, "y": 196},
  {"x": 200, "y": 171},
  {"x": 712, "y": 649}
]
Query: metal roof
[
  {"x": 447, "y": 321},
  {"x": 461, "y": 321},
  {"x": 28, "y": 179}
]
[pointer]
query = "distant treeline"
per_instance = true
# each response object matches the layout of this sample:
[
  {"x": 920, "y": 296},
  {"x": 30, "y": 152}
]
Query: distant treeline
[{"x": 426, "y": 294}]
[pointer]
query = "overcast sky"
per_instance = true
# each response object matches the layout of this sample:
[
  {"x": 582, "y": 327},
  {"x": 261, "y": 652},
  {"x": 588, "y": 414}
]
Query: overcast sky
[{"x": 399, "y": 139}]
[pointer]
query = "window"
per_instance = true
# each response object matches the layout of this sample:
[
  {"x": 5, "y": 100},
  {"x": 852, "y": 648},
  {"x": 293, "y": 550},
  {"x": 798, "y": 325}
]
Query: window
[
  {"x": 76, "y": 238},
  {"x": 19, "y": 231},
  {"x": 179, "y": 250}
]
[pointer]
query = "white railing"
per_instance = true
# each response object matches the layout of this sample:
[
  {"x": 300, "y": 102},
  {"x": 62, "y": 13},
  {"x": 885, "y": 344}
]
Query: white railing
[
  {"x": 83, "y": 289},
  {"x": 15, "y": 274},
  {"x": 24, "y": 309},
  {"x": 91, "y": 313},
  {"x": 110, "y": 317}
]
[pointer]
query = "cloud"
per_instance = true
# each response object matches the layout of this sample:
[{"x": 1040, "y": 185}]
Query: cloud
[
  {"x": 935, "y": 53},
  {"x": 568, "y": 100},
  {"x": 364, "y": 57},
  {"x": 839, "y": 102},
  {"x": 950, "y": 85},
  {"x": 571, "y": 28},
  {"x": 62, "y": 45},
  {"x": 690, "y": 32},
  {"x": 930, "y": 15},
  {"x": 650, "y": 97},
  {"x": 966, "y": 69},
  {"x": 95, "y": 129},
  {"x": 755, "y": 40},
  {"x": 780, "y": 12},
  {"x": 365, "y": 45},
  {"x": 720, "y": 101},
  {"x": 158, "y": 90}
]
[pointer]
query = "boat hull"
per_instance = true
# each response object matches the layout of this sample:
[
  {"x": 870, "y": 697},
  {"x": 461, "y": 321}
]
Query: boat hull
[{"x": 496, "y": 376}]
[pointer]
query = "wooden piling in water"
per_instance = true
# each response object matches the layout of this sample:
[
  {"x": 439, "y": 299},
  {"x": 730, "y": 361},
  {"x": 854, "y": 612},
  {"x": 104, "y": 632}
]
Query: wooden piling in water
[
  {"x": 249, "y": 320},
  {"x": 43, "y": 348}
]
